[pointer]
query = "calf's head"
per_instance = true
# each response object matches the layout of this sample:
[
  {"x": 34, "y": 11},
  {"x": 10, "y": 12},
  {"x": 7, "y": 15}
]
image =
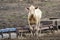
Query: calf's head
[{"x": 32, "y": 9}]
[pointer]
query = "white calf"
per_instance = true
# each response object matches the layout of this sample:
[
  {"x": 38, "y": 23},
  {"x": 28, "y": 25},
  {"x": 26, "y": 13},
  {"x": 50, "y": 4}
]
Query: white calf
[{"x": 34, "y": 17}]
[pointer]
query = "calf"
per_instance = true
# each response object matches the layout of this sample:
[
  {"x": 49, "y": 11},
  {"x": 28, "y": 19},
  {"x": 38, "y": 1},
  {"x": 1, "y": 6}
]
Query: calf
[{"x": 34, "y": 17}]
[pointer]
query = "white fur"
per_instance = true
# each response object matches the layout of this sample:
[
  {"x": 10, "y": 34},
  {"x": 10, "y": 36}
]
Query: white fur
[{"x": 37, "y": 14}]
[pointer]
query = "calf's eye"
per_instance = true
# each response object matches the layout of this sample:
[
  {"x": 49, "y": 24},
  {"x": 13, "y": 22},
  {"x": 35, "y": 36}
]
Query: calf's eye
[
  {"x": 28, "y": 8},
  {"x": 36, "y": 7}
]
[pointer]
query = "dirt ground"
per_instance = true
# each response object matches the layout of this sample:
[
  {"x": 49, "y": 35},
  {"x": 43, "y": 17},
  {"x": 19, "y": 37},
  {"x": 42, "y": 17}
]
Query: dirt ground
[{"x": 49, "y": 36}]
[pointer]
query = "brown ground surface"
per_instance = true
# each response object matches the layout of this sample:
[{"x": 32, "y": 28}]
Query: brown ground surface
[{"x": 50, "y": 36}]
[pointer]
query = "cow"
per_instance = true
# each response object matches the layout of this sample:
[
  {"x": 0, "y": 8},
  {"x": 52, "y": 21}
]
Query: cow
[{"x": 34, "y": 18}]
